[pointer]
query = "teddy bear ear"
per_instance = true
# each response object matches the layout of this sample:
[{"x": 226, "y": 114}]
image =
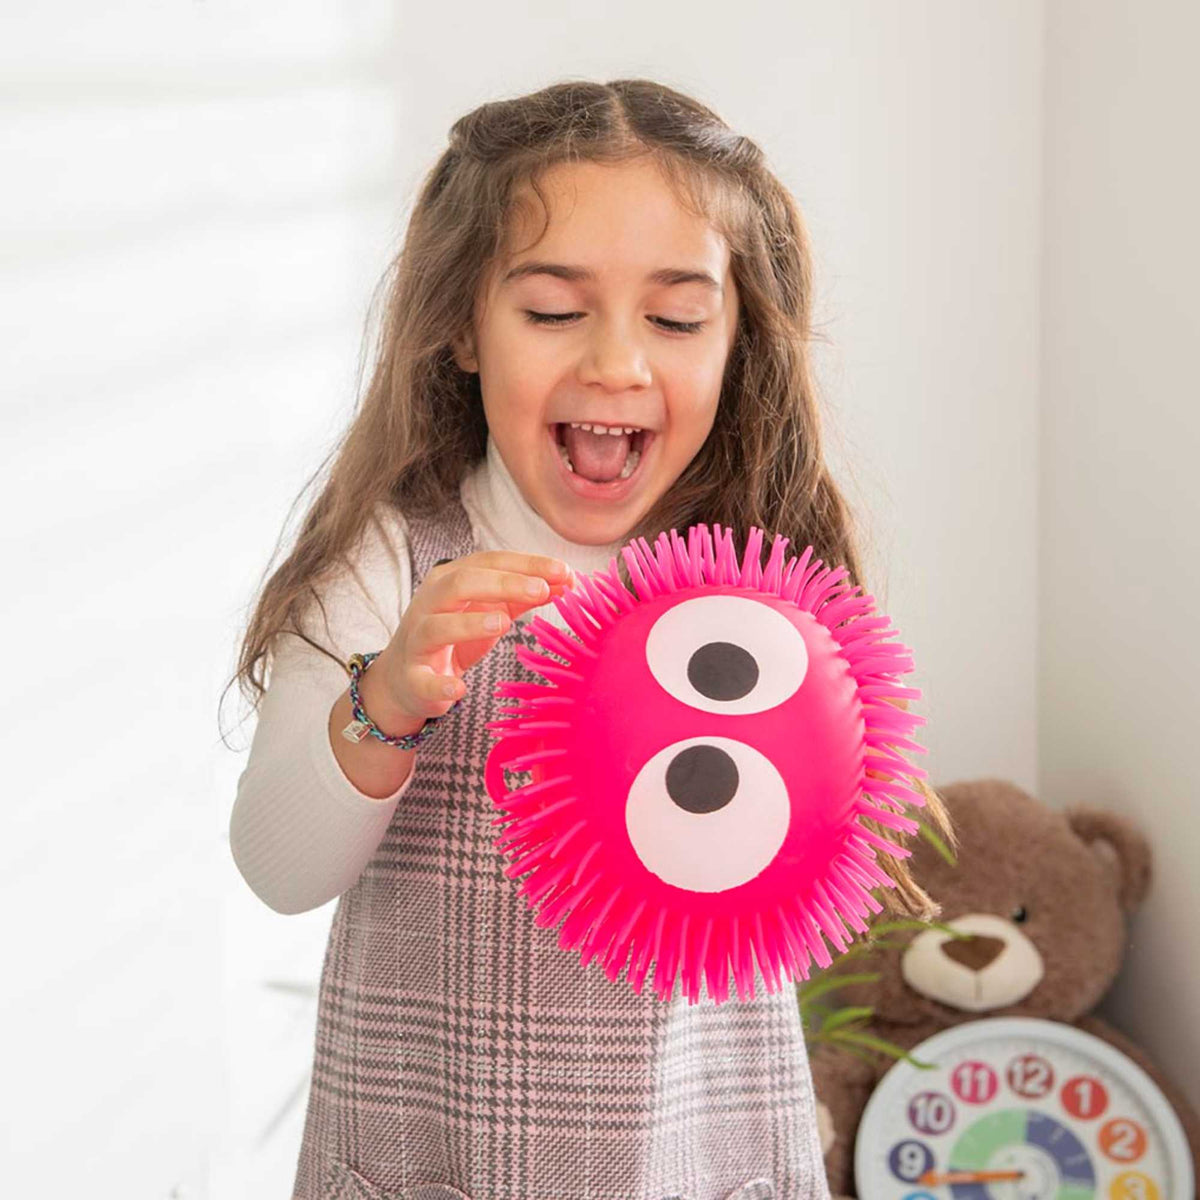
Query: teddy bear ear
[{"x": 1119, "y": 843}]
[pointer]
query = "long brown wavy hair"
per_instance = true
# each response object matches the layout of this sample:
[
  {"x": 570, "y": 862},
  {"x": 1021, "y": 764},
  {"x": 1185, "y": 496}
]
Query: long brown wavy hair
[{"x": 420, "y": 424}]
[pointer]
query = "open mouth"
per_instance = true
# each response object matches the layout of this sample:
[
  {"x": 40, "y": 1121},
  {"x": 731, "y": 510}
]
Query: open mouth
[{"x": 607, "y": 455}]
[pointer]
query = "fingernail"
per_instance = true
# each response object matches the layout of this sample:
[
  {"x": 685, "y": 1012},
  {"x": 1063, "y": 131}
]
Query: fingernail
[
  {"x": 534, "y": 586},
  {"x": 492, "y": 621},
  {"x": 449, "y": 687}
]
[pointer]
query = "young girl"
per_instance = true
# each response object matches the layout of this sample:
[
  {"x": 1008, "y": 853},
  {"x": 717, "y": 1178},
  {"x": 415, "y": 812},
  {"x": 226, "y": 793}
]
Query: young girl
[{"x": 598, "y": 329}]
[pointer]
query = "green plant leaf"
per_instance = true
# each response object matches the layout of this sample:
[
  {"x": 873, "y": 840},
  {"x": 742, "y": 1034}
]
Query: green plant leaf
[
  {"x": 812, "y": 1018},
  {"x": 936, "y": 842},
  {"x": 859, "y": 1054},
  {"x": 830, "y": 983},
  {"x": 954, "y": 933},
  {"x": 859, "y": 949},
  {"x": 843, "y": 1016},
  {"x": 871, "y": 1042},
  {"x": 895, "y": 926}
]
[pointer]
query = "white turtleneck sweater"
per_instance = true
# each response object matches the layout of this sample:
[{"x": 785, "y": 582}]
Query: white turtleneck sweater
[{"x": 301, "y": 832}]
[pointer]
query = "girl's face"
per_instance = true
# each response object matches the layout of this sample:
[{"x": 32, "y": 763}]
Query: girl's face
[{"x": 631, "y": 345}]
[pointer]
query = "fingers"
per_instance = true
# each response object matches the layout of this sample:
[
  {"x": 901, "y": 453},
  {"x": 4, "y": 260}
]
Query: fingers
[
  {"x": 461, "y": 609},
  {"x": 553, "y": 570},
  {"x": 438, "y": 629},
  {"x": 431, "y": 692},
  {"x": 531, "y": 581}
]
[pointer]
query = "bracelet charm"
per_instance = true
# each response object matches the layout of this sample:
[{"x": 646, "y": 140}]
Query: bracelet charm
[
  {"x": 362, "y": 725},
  {"x": 356, "y": 731}
]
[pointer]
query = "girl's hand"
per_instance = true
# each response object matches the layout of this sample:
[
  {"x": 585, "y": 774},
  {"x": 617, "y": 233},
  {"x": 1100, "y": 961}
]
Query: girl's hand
[{"x": 455, "y": 617}]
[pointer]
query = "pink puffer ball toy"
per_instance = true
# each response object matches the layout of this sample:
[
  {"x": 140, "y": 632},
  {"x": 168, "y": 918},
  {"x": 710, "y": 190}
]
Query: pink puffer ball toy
[{"x": 698, "y": 763}]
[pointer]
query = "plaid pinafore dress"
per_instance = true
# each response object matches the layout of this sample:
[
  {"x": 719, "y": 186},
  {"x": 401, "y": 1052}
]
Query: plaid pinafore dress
[{"x": 461, "y": 1054}]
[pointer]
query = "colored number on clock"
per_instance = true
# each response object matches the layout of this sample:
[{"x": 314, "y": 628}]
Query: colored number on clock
[
  {"x": 1030, "y": 1076},
  {"x": 931, "y": 1112},
  {"x": 1133, "y": 1185},
  {"x": 1123, "y": 1140},
  {"x": 910, "y": 1160},
  {"x": 974, "y": 1082},
  {"x": 1084, "y": 1097}
]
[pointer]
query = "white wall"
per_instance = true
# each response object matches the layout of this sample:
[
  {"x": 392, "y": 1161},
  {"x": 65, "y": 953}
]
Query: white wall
[
  {"x": 197, "y": 200},
  {"x": 1119, "y": 678},
  {"x": 203, "y": 198},
  {"x": 910, "y": 133}
]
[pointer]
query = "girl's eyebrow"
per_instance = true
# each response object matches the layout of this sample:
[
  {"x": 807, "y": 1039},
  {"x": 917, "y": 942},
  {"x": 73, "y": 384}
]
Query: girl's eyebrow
[{"x": 664, "y": 276}]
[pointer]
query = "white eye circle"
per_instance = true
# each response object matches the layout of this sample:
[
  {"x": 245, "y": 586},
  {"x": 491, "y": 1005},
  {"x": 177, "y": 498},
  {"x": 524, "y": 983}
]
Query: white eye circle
[
  {"x": 726, "y": 654},
  {"x": 707, "y": 813}
]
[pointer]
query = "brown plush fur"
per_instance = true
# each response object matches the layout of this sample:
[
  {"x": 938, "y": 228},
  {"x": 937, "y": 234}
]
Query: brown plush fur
[{"x": 1076, "y": 874}]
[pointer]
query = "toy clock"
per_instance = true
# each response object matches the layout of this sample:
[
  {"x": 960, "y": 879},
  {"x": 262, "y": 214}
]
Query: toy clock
[{"x": 1017, "y": 1108}]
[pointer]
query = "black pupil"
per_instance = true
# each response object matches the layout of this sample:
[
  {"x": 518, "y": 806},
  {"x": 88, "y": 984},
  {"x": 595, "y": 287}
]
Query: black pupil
[
  {"x": 722, "y": 671},
  {"x": 702, "y": 779}
]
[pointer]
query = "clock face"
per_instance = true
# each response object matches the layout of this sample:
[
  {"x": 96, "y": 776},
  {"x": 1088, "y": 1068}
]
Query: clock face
[{"x": 1018, "y": 1108}]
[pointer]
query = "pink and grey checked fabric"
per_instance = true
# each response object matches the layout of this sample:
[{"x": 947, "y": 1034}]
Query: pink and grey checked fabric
[{"x": 462, "y": 1055}]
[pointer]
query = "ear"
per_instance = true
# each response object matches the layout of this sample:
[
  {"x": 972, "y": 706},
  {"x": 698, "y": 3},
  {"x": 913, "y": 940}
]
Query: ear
[
  {"x": 1122, "y": 847},
  {"x": 464, "y": 352}
]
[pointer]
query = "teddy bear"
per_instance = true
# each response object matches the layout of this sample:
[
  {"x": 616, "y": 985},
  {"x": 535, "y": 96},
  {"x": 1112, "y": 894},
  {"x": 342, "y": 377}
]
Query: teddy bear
[{"x": 1045, "y": 895}]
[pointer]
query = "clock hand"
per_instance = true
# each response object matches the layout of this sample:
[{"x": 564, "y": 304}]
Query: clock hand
[{"x": 932, "y": 1178}]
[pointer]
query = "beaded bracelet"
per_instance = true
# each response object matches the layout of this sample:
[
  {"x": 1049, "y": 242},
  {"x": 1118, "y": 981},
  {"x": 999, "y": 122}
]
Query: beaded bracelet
[{"x": 362, "y": 724}]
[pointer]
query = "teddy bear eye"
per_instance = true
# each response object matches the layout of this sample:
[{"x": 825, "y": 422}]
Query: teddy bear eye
[
  {"x": 727, "y": 654},
  {"x": 1019, "y": 914}
]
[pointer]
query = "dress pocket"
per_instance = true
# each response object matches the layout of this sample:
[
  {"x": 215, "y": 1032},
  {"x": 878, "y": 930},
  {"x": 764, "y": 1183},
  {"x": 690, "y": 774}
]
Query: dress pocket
[
  {"x": 754, "y": 1189},
  {"x": 345, "y": 1183},
  {"x": 760, "y": 1188}
]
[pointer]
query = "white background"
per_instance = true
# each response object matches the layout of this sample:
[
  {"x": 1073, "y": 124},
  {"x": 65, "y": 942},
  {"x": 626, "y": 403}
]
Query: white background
[{"x": 198, "y": 201}]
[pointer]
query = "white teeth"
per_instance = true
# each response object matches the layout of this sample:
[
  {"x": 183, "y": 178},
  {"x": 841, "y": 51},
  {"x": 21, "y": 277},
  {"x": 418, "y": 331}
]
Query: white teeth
[
  {"x": 630, "y": 464},
  {"x": 615, "y": 430},
  {"x": 562, "y": 453}
]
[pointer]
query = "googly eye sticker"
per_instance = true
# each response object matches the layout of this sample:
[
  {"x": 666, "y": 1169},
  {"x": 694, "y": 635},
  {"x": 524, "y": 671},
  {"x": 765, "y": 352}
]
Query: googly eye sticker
[
  {"x": 707, "y": 814},
  {"x": 726, "y": 654}
]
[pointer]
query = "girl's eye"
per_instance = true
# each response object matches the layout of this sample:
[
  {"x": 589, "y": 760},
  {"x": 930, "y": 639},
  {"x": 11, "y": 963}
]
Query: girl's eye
[{"x": 540, "y": 318}]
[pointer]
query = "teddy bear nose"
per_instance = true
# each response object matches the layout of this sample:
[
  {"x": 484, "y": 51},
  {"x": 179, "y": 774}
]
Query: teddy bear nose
[
  {"x": 702, "y": 779},
  {"x": 974, "y": 952}
]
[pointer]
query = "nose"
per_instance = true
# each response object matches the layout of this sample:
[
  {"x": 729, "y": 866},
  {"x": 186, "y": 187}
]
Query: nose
[
  {"x": 614, "y": 357},
  {"x": 975, "y": 952}
]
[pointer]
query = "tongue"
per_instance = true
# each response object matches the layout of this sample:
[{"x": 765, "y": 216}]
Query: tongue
[{"x": 596, "y": 456}]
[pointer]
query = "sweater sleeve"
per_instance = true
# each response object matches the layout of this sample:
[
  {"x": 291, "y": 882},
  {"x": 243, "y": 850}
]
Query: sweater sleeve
[{"x": 300, "y": 831}]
